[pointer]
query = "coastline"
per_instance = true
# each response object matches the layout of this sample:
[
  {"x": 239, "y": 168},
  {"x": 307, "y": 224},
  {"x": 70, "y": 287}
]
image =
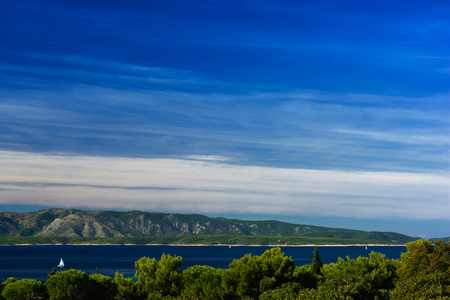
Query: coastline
[{"x": 215, "y": 245}]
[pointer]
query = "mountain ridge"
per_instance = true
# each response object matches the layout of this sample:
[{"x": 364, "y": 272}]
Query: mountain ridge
[{"x": 75, "y": 223}]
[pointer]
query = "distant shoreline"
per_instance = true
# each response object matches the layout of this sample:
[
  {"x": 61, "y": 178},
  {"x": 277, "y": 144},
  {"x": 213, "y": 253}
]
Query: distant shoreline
[{"x": 216, "y": 245}]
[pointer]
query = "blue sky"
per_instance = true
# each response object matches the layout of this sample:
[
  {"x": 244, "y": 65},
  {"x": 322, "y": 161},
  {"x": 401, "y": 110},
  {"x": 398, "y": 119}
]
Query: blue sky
[{"x": 330, "y": 113}]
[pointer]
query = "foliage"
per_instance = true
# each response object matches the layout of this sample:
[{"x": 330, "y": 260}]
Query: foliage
[
  {"x": 4, "y": 284},
  {"x": 362, "y": 278},
  {"x": 102, "y": 287},
  {"x": 52, "y": 272},
  {"x": 23, "y": 289},
  {"x": 423, "y": 286},
  {"x": 202, "y": 282},
  {"x": 288, "y": 290},
  {"x": 159, "y": 278},
  {"x": 424, "y": 257},
  {"x": 70, "y": 284},
  {"x": 316, "y": 263},
  {"x": 424, "y": 271},
  {"x": 127, "y": 288},
  {"x": 252, "y": 275},
  {"x": 304, "y": 276}
]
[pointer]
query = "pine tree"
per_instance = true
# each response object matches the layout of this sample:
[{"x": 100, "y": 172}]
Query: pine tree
[
  {"x": 316, "y": 263},
  {"x": 53, "y": 272}
]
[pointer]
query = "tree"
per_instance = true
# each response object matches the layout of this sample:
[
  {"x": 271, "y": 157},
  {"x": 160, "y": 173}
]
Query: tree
[
  {"x": 102, "y": 287},
  {"x": 303, "y": 275},
  {"x": 252, "y": 275},
  {"x": 362, "y": 278},
  {"x": 424, "y": 257},
  {"x": 159, "y": 278},
  {"x": 128, "y": 289},
  {"x": 23, "y": 289},
  {"x": 4, "y": 284},
  {"x": 52, "y": 272},
  {"x": 423, "y": 286},
  {"x": 202, "y": 282},
  {"x": 288, "y": 290},
  {"x": 424, "y": 271},
  {"x": 70, "y": 284},
  {"x": 316, "y": 263}
]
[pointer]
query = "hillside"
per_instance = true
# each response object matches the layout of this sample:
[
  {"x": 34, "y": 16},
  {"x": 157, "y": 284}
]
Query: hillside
[{"x": 73, "y": 223}]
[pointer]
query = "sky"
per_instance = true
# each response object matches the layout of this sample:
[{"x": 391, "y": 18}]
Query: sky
[{"x": 328, "y": 113}]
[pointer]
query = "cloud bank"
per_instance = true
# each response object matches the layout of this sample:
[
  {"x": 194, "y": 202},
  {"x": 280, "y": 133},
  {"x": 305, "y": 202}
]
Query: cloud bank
[{"x": 205, "y": 184}]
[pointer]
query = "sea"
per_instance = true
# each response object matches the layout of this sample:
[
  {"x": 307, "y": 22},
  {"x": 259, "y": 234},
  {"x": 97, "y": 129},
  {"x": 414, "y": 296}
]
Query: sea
[{"x": 36, "y": 262}]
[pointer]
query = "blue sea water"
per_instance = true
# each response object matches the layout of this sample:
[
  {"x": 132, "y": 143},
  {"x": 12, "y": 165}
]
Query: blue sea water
[{"x": 35, "y": 262}]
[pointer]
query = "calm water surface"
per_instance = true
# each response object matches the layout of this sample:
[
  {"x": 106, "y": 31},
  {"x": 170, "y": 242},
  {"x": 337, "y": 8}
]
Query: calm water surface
[{"x": 36, "y": 262}]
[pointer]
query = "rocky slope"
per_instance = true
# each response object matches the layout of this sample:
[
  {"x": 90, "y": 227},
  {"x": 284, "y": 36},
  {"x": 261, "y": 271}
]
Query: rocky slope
[{"x": 83, "y": 223}]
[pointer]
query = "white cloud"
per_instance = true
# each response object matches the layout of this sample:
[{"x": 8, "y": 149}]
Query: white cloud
[
  {"x": 217, "y": 158},
  {"x": 212, "y": 186}
]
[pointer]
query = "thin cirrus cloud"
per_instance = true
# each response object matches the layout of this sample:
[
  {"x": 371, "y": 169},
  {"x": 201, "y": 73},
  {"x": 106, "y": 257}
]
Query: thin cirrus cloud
[
  {"x": 288, "y": 128},
  {"x": 208, "y": 184},
  {"x": 107, "y": 73}
]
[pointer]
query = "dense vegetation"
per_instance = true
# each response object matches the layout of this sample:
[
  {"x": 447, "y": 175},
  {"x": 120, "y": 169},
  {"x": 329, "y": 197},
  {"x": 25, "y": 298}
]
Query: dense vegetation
[
  {"x": 193, "y": 240},
  {"x": 423, "y": 272}
]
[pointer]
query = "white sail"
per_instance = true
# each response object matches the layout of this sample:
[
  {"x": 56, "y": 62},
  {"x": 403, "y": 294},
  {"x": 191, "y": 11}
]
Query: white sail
[{"x": 61, "y": 263}]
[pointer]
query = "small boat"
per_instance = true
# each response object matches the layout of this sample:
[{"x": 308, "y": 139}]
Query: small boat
[
  {"x": 366, "y": 247},
  {"x": 61, "y": 263}
]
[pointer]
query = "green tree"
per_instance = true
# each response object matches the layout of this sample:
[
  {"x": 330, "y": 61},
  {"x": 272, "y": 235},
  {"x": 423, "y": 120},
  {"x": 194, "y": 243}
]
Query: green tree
[
  {"x": 23, "y": 289},
  {"x": 423, "y": 286},
  {"x": 4, "y": 284},
  {"x": 424, "y": 272},
  {"x": 160, "y": 278},
  {"x": 102, "y": 287},
  {"x": 424, "y": 257},
  {"x": 316, "y": 263},
  {"x": 362, "y": 278},
  {"x": 288, "y": 290},
  {"x": 252, "y": 275},
  {"x": 52, "y": 272},
  {"x": 70, "y": 284},
  {"x": 202, "y": 282},
  {"x": 127, "y": 288},
  {"x": 303, "y": 275}
]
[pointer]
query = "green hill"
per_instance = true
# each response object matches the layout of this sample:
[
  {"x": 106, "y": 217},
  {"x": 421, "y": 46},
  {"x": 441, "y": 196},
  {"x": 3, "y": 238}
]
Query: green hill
[{"x": 72, "y": 225}]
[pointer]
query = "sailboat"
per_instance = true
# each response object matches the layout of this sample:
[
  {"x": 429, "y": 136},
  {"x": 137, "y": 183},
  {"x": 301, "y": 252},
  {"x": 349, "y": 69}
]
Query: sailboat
[{"x": 61, "y": 263}]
